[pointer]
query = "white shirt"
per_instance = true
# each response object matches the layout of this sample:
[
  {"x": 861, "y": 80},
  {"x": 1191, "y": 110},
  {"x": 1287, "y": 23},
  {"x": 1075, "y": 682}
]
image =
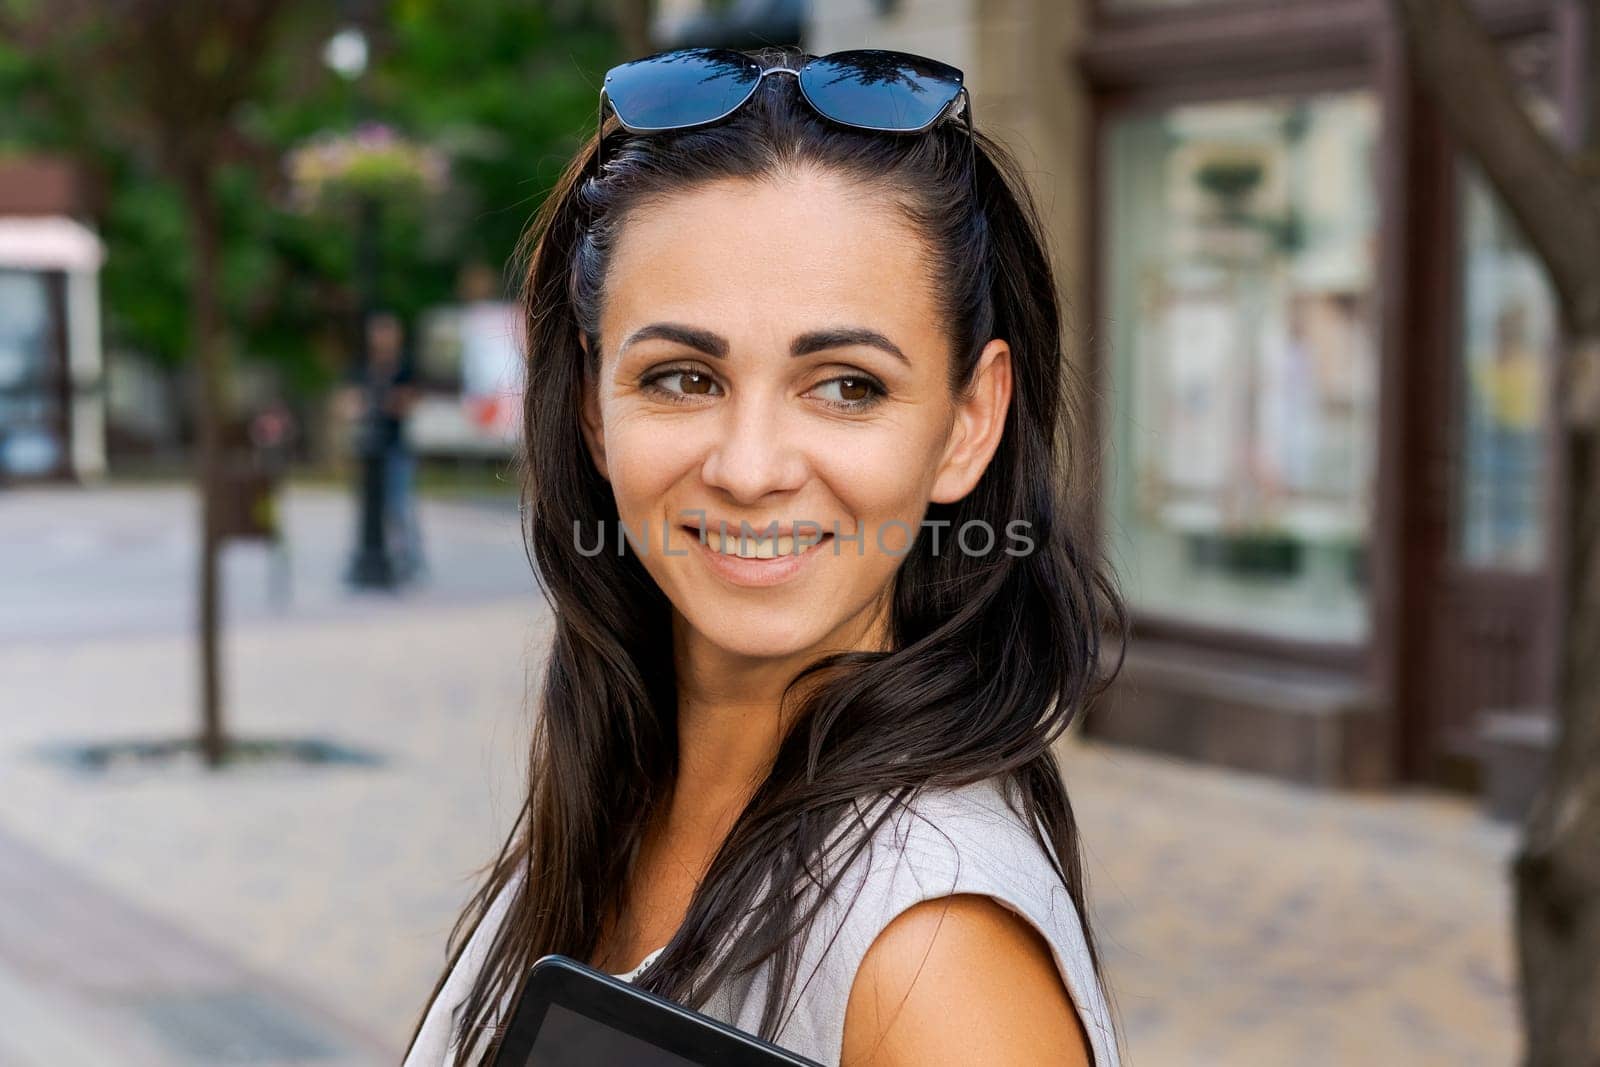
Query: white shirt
[{"x": 961, "y": 840}]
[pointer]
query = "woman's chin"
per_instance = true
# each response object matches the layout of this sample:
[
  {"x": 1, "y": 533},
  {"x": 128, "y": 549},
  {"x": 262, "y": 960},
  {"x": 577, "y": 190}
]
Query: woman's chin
[
  {"x": 763, "y": 646},
  {"x": 757, "y": 638}
]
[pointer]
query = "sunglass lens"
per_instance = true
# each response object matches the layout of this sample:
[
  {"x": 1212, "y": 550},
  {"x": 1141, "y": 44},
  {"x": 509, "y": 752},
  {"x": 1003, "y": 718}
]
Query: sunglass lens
[
  {"x": 681, "y": 88},
  {"x": 880, "y": 89}
]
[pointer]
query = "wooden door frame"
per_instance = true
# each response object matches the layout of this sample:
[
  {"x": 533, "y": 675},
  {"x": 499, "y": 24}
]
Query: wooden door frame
[{"x": 1424, "y": 509}]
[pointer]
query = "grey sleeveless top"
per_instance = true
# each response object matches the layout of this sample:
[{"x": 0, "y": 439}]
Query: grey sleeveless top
[{"x": 961, "y": 840}]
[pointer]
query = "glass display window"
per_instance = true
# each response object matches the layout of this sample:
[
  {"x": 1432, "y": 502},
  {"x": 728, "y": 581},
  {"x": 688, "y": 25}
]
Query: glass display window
[{"x": 1240, "y": 277}]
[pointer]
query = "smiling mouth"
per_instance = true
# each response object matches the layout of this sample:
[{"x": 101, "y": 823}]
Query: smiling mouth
[{"x": 751, "y": 547}]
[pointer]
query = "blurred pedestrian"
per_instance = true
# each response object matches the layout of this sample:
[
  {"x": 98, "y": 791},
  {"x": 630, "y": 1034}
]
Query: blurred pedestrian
[
  {"x": 384, "y": 395},
  {"x": 1511, "y": 386},
  {"x": 273, "y": 431}
]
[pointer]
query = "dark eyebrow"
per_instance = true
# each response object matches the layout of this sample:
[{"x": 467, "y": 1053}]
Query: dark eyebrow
[
  {"x": 717, "y": 346},
  {"x": 688, "y": 336},
  {"x": 845, "y": 337}
]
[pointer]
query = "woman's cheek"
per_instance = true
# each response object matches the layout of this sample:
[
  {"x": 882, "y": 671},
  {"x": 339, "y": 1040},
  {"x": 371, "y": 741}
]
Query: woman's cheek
[
  {"x": 881, "y": 481},
  {"x": 646, "y": 460}
]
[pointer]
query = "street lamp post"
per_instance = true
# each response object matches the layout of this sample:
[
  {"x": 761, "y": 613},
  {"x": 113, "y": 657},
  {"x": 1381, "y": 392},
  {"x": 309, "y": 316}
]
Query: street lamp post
[{"x": 371, "y": 566}]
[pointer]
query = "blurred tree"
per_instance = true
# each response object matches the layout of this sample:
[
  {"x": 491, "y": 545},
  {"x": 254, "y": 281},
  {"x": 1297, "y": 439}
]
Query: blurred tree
[
  {"x": 168, "y": 80},
  {"x": 276, "y": 272},
  {"x": 506, "y": 90},
  {"x": 1555, "y": 197},
  {"x": 185, "y": 110}
]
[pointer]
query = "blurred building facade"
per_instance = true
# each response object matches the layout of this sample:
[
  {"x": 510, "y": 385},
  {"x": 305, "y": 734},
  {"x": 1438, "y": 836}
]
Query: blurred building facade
[
  {"x": 1320, "y": 358},
  {"x": 52, "y": 398}
]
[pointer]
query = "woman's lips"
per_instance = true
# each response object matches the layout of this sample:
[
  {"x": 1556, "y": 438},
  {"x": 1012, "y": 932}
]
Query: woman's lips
[{"x": 740, "y": 570}]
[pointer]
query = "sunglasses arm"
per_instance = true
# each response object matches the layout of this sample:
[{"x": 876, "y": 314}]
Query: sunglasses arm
[
  {"x": 599, "y": 133},
  {"x": 972, "y": 139}
]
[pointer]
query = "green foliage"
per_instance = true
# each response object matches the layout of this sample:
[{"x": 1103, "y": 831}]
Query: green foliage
[
  {"x": 504, "y": 90},
  {"x": 144, "y": 285}
]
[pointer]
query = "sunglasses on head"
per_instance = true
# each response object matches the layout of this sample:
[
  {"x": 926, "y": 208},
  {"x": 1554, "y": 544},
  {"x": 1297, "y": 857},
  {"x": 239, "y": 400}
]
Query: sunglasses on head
[{"x": 865, "y": 88}]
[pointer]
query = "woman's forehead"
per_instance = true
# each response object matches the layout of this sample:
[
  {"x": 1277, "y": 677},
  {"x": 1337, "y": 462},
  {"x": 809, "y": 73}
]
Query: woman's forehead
[{"x": 809, "y": 245}]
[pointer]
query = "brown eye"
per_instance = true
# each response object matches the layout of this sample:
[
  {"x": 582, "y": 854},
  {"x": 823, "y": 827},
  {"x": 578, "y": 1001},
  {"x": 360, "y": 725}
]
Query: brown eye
[
  {"x": 695, "y": 383},
  {"x": 690, "y": 382},
  {"x": 850, "y": 393}
]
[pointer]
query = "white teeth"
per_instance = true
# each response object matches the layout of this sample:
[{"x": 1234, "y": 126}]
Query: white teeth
[
  {"x": 751, "y": 546},
  {"x": 755, "y": 547}
]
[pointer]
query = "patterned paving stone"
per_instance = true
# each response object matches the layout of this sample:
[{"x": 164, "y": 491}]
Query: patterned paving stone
[
  {"x": 85, "y": 978},
  {"x": 1241, "y": 921}
]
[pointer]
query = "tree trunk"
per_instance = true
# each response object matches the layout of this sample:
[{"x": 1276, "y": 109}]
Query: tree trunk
[
  {"x": 1557, "y": 869},
  {"x": 210, "y": 415},
  {"x": 1553, "y": 205},
  {"x": 1556, "y": 872}
]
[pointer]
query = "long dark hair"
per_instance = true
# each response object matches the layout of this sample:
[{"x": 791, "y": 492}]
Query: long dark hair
[{"x": 991, "y": 658}]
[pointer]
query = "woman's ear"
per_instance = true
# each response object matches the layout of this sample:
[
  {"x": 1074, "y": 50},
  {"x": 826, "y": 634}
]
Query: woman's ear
[
  {"x": 980, "y": 420},
  {"x": 589, "y": 414}
]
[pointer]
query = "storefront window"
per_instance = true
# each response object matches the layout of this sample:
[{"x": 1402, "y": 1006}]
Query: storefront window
[
  {"x": 30, "y": 405},
  {"x": 1508, "y": 341},
  {"x": 1240, "y": 242}
]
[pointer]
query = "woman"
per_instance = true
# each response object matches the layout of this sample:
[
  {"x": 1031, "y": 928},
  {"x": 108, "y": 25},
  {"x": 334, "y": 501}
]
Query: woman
[{"x": 802, "y": 782}]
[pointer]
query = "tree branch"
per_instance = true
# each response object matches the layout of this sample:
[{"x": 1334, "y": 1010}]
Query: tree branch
[{"x": 1539, "y": 187}]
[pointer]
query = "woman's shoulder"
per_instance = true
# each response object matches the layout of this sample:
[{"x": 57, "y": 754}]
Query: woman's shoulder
[
  {"x": 948, "y": 840},
  {"x": 951, "y": 973},
  {"x": 973, "y": 836},
  {"x": 979, "y": 822}
]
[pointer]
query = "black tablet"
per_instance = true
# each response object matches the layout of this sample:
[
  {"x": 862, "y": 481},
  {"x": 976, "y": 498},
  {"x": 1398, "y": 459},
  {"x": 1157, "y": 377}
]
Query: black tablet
[{"x": 570, "y": 1015}]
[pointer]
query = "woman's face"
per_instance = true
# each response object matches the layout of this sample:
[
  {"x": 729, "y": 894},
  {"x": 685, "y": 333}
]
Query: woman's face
[{"x": 771, "y": 353}]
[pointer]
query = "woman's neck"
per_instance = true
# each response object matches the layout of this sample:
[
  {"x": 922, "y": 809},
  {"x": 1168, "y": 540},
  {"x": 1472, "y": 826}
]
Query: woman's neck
[
  {"x": 730, "y": 716},
  {"x": 729, "y": 731}
]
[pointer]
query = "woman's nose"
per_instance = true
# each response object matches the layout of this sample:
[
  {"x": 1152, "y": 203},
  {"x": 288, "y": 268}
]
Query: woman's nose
[{"x": 756, "y": 452}]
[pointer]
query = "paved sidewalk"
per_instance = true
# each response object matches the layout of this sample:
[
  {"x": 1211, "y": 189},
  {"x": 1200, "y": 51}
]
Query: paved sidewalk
[
  {"x": 1241, "y": 921},
  {"x": 1247, "y": 922},
  {"x": 121, "y": 560},
  {"x": 339, "y": 880},
  {"x": 87, "y": 979}
]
